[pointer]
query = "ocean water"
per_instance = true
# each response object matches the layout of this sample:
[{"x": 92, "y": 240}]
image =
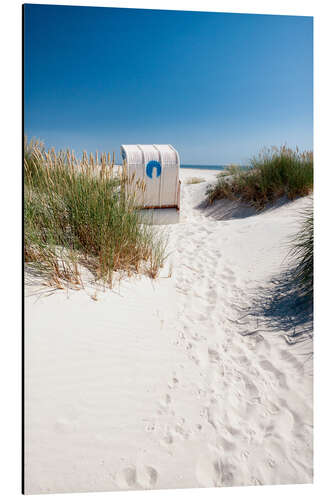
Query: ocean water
[
  {"x": 206, "y": 167},
  {"x": 211, "y": 167}
]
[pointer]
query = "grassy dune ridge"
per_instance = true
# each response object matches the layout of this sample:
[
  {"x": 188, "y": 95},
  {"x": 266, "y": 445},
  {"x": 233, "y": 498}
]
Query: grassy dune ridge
[
  {"x": 76, "y": 212},
  {"x": 276, "y": 172}
]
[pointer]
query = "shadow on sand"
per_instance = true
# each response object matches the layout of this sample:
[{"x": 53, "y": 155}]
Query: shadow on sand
[
  {"x": 235, "y": 209},
  {"x": 35, "y": 282},
  {"x": 284, "y": 307}
]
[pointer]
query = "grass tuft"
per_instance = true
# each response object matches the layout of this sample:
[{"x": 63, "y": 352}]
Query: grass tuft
[
  {"x": 302, "y": 250},
  {"x": 194, "y": 180},
  {"x": 271, "y": 175},
  {"x": 79, "y": 212}
]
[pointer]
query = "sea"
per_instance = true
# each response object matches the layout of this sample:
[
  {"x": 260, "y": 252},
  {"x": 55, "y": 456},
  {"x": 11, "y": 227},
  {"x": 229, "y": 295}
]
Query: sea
[{"x": 210, "y": 167}]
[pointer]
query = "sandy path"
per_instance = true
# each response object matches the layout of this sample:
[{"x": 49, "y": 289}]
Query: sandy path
[
  {"x": 255, "y": 391},
  {"x": 164, "y": 384}
]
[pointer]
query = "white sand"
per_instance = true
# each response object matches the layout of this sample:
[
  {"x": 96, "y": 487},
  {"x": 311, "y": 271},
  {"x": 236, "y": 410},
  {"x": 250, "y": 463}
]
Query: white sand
[{"x": 159, "y": 384}]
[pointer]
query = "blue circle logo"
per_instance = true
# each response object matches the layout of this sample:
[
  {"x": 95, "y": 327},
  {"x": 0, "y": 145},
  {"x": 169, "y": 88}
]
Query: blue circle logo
[{"x": 150, "y": 168}]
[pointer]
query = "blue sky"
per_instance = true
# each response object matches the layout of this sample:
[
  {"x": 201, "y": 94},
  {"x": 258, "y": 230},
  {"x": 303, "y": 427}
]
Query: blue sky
[{"x": 218, "y": 87}]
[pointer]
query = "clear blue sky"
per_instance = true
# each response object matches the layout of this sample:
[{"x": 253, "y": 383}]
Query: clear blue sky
[{"x": 218, "y": 87}]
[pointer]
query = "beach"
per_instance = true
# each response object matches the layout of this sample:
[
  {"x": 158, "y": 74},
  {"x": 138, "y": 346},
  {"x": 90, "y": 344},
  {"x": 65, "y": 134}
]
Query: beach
[{"x": 195, "y": 379}]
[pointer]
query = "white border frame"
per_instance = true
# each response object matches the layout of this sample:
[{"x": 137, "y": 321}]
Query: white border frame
[{"x": 10, "y": 364}]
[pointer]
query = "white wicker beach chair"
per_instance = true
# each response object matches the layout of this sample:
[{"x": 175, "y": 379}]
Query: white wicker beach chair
[{"x": 157, "y": 165}]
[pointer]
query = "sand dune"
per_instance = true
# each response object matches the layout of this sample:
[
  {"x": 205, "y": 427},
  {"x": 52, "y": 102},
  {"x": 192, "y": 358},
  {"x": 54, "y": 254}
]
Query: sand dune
[{"x": 193, "y": 380}]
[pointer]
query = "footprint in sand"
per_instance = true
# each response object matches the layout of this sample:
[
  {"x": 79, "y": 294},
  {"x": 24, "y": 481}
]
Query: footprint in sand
[
  {"x": 208, "y": 472},
  {"x": 179, "y": 429},
  {"x": 174, "y": 382},
  {"x": 232, "y": 430},
  {"x": 167, "y": 438},
  {"x": 147, "y": 476},
  {"x": 213, "y": 415},
  {"x": 141, "y": 477},
  {"x": 267, "y": 365},
  {"x": 150, "y": 427},
  {"x": 211, "y": 471},
  {"x": 211, "y": 296},
  {"x": 165, "y": 406},
  {"x": 225, "y": 444},
  {"x": 250, "y": 387},
  {"x": 126, "y": 478},
  {"x": 289, "y": 357}
]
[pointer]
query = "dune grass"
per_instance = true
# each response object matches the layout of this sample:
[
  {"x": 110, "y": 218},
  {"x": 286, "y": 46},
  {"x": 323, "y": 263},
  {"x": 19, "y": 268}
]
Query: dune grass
[
  {"x": 231, "y": 170},
  {"x": 195, "y": 180},
  {"x": 77, "y": 213},
  {"x": 302, "y": 251},
  {"x": 273, "y": 174}
]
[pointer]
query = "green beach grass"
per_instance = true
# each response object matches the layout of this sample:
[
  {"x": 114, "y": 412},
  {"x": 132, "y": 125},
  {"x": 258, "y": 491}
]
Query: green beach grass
[
  {"x": 302, "y": 250},
  {"x": 273, "y": 174},
  {"x": 77, "y": 213}
]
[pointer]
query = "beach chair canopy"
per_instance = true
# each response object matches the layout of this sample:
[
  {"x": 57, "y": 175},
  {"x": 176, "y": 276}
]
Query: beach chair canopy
[{"x": 158, "y": 166}]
